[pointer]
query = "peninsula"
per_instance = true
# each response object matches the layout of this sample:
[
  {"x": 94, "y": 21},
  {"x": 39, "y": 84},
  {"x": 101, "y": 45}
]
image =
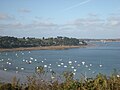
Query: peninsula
[{"x": 13, "y": 44}]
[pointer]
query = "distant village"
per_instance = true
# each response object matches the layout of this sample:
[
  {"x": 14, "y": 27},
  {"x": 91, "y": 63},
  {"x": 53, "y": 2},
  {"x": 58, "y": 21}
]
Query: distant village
[{"x": 101, "y": 40}]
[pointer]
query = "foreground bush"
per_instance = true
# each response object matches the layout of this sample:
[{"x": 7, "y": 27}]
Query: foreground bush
[{"x": 100, "y": 82}]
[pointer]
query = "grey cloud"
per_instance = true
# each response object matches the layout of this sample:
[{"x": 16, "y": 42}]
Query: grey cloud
[
  {"x": 95, "y": 23},
  {"x": 86, "y": 22},
  {"x": 113, "y": 21},
  {"x": 4, "y": 16},
  {"x": 89, "y": 23},
  {"x": 37, "y": 25},
  {"x": 24, "y": 10}
]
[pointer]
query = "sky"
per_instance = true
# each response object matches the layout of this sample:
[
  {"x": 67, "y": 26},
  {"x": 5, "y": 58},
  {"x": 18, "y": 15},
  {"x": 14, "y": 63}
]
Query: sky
[{"x": 69, "y": 18}]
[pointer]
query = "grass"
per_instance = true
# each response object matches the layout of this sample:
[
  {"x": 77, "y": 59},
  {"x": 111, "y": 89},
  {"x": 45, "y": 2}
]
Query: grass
[{"x": 39, "y": 82}]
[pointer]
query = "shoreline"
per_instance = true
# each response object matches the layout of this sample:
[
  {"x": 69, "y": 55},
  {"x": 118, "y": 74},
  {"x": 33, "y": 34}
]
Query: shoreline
[{"x": 41, "y": 48}]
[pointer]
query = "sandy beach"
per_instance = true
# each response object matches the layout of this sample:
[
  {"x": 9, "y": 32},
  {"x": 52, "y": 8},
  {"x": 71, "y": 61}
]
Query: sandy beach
[{"x": 41, "y": 48}]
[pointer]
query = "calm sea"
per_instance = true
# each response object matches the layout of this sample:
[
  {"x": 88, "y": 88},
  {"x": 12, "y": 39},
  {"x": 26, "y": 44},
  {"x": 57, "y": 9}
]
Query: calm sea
[{"x": 102, "y": 58}]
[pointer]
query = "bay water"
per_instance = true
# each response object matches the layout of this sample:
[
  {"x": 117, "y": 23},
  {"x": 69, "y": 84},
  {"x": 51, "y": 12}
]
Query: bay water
[{"x": 88, "y": 61}]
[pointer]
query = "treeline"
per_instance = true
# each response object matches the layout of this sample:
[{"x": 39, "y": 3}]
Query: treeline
[{"x": 13, "y": 42}]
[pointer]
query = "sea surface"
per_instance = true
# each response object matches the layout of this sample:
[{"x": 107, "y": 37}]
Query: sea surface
[{"x": 89, "y": 61}]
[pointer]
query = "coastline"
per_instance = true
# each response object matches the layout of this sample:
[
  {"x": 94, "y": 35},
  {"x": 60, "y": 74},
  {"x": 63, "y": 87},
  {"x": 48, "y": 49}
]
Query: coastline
[{"x": 41, "y": 48}]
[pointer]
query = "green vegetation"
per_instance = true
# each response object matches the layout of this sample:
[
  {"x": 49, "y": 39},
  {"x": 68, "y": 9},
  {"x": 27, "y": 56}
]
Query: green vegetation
[
  {"x": 39, "y": 82},
  {"x": 13, "y": 42}
]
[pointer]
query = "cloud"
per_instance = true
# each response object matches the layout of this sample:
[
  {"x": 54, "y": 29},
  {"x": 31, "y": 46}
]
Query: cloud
[
  {"x": 4, "y": 16},
  {"x": 93, "y": 15},
  {"x": 113, "y": 22},
  {"x": 24, "y": 10},
  {"x": 89, "y": 23},
  {"x": 91, "y": 26},
  {"x": 77, "y": 5},
  {"x": 86, "y": 22},
  {"x": 92, "y": 23},
  {"x": 33, "y": 26}
]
